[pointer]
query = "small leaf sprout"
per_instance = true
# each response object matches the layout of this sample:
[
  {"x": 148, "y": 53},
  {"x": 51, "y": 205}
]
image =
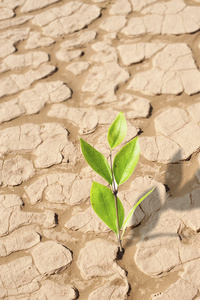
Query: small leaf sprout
[{"x": 104, "y": 200}]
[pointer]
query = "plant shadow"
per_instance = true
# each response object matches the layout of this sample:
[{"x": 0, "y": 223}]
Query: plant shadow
[{"x": 173, "y": 180}]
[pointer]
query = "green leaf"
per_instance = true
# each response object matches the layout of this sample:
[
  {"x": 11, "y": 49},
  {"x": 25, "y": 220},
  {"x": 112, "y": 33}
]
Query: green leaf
[
  {"x": 132, "y": 211},
  {"x": 97, "y": 161},
  {"x": 117, "y": 131},
  {"x": 103, "y": 203},
  {"x": 126, "y": 160}
]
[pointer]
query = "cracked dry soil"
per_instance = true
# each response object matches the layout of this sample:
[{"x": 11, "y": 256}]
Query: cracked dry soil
[{"x": 66, "y": 69}]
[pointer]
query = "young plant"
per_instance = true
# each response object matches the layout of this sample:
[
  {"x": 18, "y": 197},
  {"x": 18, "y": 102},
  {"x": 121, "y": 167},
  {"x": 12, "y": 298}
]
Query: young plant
[{"x": 104, "y": 200}]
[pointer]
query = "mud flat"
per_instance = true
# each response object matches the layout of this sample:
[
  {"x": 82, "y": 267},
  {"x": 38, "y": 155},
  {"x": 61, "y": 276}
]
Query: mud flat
[{"x": 66, "y": 69}]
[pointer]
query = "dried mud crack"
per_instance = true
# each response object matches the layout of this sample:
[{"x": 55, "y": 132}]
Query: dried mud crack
[{"x": 67, "y": 68}]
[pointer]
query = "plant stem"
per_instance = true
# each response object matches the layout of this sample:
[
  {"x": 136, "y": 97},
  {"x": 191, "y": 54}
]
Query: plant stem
[{"x": 115, "y": 191}]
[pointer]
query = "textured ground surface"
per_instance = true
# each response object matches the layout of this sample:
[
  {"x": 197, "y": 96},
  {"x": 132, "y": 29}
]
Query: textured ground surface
[{"x": 66, "y": 69}]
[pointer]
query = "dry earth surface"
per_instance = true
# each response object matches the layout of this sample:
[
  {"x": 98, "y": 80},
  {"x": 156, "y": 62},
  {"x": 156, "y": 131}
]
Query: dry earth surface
[{"x": 66, "y": 69}]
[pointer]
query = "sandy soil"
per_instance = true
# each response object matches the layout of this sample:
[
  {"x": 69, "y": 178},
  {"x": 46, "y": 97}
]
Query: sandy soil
[{"x": 66, "y": 69}]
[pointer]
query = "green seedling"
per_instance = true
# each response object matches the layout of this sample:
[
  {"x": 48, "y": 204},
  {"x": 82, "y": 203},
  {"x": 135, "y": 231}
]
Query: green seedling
[{"x": 104, "y": 200}]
